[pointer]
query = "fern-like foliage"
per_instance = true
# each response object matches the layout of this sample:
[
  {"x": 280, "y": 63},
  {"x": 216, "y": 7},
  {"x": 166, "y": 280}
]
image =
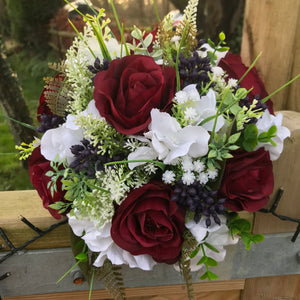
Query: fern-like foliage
[
  {"x": 56, "y": 95},
  {"x": 188, "y": 246},
  {"x": 112, "y": 278},
  {"x": 58, "y": 67},
  {"x": 188, "y": 24}
]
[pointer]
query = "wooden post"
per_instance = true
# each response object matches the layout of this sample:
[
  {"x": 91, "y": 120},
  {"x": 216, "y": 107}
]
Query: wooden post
[{"x": 273, "y": 28}]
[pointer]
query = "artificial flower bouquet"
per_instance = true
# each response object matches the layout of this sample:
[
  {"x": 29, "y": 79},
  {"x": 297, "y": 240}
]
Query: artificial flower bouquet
[{"x": 150, "y": 147}]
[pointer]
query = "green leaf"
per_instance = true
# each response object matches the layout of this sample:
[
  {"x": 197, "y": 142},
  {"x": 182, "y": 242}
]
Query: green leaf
[
  {"x": 57, "y": 205},
  {"x": 211, "y": 262},
  {"x": 204, "y": 276},
  {"x": 258, "y": 238},
  {"x": 250, "y": 138},
  {"x": 49, "y": 173},
  {"x": 272, "y": 130},
  {"x": 212, "y": 153},
  {"x": 223, "y": 49},
  {"x": 212, "y": 276},
  {"x": 233, "y": 147},
  {"x": 211, "y": 43},
  {"x": 241, "y": 93},
  {"x": 82, "y": 257},
  {"x": 203, "y": 260},
  {"x": 194, "y": 252},
  {"x": 233, "y": 138},
  {"x": 227, "y": 155},
  {"x": 212, "y": 248},
  {"x": 241, "y": 224},
  {"x": 148, "y": 40}
]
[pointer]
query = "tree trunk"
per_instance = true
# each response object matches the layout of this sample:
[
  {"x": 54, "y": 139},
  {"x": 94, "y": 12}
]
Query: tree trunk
[{"x": 13, "y": 103}]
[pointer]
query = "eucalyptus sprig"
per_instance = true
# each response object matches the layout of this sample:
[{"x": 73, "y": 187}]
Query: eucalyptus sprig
[
  {"x": 220, "y": 148},
  {"x": 206, "y": 260},
  {"x": 242, "y": 227}
]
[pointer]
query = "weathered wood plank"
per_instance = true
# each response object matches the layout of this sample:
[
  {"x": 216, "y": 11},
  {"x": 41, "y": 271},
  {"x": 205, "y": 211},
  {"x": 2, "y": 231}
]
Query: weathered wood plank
[
  {"x": 272, "y": 27},
  {"x": 227, "y": 290},
  {"x": 271, "y": 288},
  {"x": 286, "y": 175},
  {"x": 29, "y": 205}
]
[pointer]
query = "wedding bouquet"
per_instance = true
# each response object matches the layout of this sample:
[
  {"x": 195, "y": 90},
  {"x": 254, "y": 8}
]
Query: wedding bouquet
[{"x": 151, "y": 147}]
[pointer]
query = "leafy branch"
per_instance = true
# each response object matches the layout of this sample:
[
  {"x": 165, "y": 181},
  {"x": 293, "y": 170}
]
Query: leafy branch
[{"x": 242, "y": 227}]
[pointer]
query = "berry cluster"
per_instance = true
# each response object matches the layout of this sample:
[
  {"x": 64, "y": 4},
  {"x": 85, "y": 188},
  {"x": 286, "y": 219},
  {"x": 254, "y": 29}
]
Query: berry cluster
[
  {"x": 97, "y": 67},
  {"x": 203, "y": 203},
  {"x": 194, "y": 69},
  {"x": 88, "y": 160},
  {"x": 49, "y": 122}
]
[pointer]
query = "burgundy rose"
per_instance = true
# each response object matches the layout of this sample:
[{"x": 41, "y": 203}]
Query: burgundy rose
[
  {"x": 43, "y": 108},
  {"x": 126, "y": 93},
  {"x": 148, "y": 222},
  {"x": 38, "y": 167},
  {"x": 234, "y": 67},
  {"x": 248, "y": 180}
]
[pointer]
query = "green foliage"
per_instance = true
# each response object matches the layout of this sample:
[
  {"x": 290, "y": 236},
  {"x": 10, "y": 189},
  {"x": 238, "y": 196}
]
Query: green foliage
[
  {"x": 220, "y": 47},
  {"x": 250, "y": 138},
  {"x": 25, "y": 150},
  {"x": 206, "y": 260},
  {"x": 242, "y": 227},
  {"x": 219, "y": 150},
  {"x": 102, "y": 135}
]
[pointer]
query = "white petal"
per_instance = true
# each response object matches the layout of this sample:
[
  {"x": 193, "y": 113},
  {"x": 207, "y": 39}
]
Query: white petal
[
  {"x": 58, "y": 141},
  {"x": 141, "y": 153}
]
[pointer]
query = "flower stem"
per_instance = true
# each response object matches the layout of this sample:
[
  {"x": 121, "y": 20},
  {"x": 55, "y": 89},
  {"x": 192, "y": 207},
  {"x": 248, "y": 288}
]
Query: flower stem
[
  {"x": 156, "y": 11},
  {"x": 278, "y": 90},
  {"x": 252, "y": 65}
]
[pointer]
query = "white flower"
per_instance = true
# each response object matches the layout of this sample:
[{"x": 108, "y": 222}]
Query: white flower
[
  {"x": 92, "y": 110},
  {"x": 203, "y": 178},
  {"x": 188, "y": 178},
  {"x": 219, "y": 55},
  {"x": 263, "y": 124},
  {"x": 99, "y": 240},
  {"x": 181, "y": 97},
  {"x": 218, "y": 236},
  {"x": 217, "y": 71},
  {"x": 168, "y": 177},
  {"x": 141, "y": 153},
  {"x": 187, "y": 163},
  {"x": 112, "y": 45},
  {"x": 170, "y": 141},
  {"x": 212, "y": 174},
  {"x": 190, "y": 113},
  {"x": 198, "y": 166},
  {"x": 232, "y": 82},
  {"x": 205, "y": 107},
  {"x": 58, "y": 141}
]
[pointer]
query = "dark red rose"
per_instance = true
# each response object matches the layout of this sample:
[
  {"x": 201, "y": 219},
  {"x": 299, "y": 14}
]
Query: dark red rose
[
  {"x": 148, "y": 222},
  {"x": 126, "y": 93},
  {"x": 248, "y": 180},
  {"x": 38, "y": 167},
  {"x": 43, "y": 108},
  {"x": 232, "y": 64}
]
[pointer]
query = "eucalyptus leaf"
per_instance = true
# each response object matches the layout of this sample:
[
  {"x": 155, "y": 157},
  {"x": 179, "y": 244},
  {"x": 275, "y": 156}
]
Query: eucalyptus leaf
[
  {"x": 233, "y": 138},
  {"x": 212, "y": 248},
  {"x": 212, "y": 276},
  {"x": 203, "y": 260},
  {"x": 211, "y": 262},
  {"x": 148, "y": 40}
]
